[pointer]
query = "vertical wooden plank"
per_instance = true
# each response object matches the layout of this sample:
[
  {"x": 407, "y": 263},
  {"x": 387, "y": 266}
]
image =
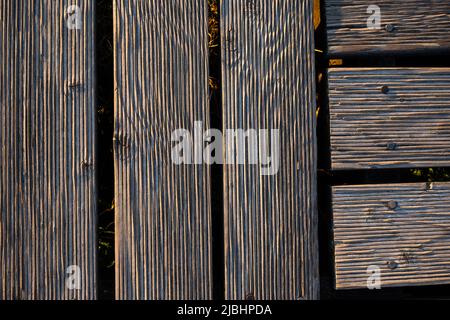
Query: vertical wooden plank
[
  {"x": 163, "y": 223},
  {"x": 268, "y": 78},
  {"x": 47, "y": 150}
]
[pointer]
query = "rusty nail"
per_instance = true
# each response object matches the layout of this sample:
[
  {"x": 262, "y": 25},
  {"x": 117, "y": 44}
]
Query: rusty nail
[
  {"x": 392, "y": 205},
  {"x": 385, "y": 89}
]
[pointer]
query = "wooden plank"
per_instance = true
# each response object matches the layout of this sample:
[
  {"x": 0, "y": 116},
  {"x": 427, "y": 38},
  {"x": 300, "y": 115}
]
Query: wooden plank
[
  {"x": 389, "y": 118},
  {"x": 406, "y": 26},
  {"x": 403, "y": 229},
  {"x": 47, "y": 153},
  {"x": 163, "y": 222},
  {"x": 269, "y": 83}
]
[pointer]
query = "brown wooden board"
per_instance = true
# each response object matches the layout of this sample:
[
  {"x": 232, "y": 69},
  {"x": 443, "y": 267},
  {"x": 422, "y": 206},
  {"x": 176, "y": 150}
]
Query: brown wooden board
[
  {"x": 47, "y": 150},
  {"x": 268, "y": 79},
  {"x": 406, "y": 26},
  {"x": 163, "y": 210},
  {"x": 389, "y": 118},
  {"x": 402, "y": 229}
]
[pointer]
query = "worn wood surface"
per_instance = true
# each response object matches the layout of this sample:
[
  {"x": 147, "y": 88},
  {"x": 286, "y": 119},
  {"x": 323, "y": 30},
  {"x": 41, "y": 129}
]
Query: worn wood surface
[
  {"x": 47, "y": 150},
  {"x": 389, "y": 118},
  {"x": 406, "y": 26},
  {"x": 269, "y": 83},
  {"x": 404, "y": 229},
  {"x": 163, "y": 222}
]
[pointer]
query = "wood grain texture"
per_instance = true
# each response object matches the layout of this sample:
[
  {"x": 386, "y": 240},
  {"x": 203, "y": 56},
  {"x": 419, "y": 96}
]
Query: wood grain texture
[
  {"x": 163, "y": 222},
  {"x": 47, "y": 150},
  {"x": 406, "y": 126},
  {"x": 404, "y": 229},
  {"x": 269, "y": 83},
  {"x": 418, "y": 25}
]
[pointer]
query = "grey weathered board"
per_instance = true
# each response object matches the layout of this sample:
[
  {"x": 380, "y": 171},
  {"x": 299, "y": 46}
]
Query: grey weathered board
[
  {"x": 403, "y": 229},
  {"x": 269, "y": 83},
  {"x": 163, "y": 210},
  {"x": 47, "y": 151},
  {"x": 406, "y": 26},
  {"x": 389, "y": 118}
]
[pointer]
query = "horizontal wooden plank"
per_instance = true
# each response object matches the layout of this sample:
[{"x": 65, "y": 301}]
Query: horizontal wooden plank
[
  {"x": 268, "y": 83},
  {"x": 403, "y": 229},
  {"x": 389, "y": 118},
  {"x": 163, "y": 210},
  {"x": 405, "y": 26},
  {"x": 47, "y": 150}
]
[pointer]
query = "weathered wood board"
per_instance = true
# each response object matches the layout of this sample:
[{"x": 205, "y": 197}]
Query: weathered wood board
[
  {"x": 163, "y": 222},
  {"x": 406, "y": 26},
  {"x": 269, "y": 83},
  {"x": 47, "y": 151},
  {"x": 402, "y": 229},
  {"x": 389, "y": 118}
]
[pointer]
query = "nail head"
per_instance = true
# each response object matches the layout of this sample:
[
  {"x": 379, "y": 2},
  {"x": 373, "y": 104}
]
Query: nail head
[
  {"x": 392, "y": 205},
  {"x": 392, "y": 146},
  {"x": 392, "y": 265},
  {"x": 385, "y": 89},
  {"x": 390, "y": 28}
]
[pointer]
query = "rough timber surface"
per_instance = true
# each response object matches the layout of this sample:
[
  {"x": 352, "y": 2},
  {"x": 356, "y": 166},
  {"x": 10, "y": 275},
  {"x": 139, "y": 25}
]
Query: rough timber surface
[
  {"x": 163, "y": 222},
  {"x": 407, "y": 26},
  {"x": 47, "y": 151},
  {"x": 406, "y": 126},
  {"x": 269, "y": 83},
  {"x": 403, "y": 229}
]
